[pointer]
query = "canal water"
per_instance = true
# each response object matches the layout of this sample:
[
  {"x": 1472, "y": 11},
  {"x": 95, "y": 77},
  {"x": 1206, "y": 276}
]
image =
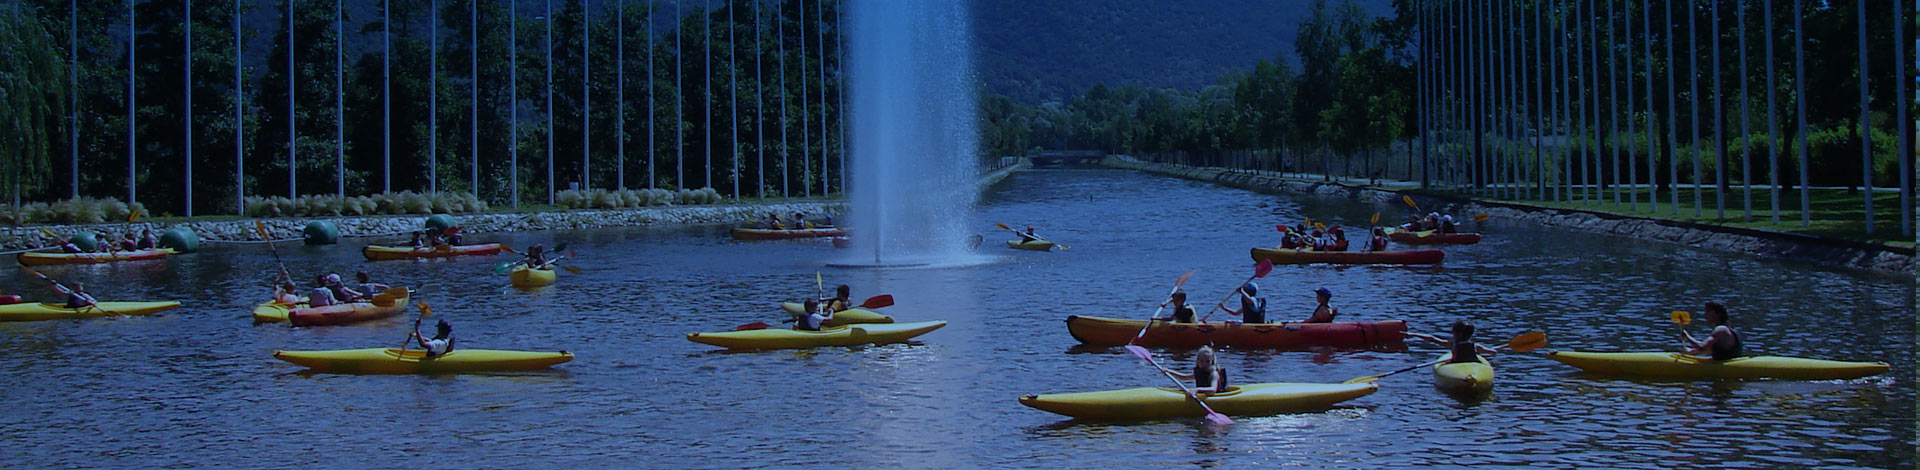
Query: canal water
[{"x": 197, "y": 386}]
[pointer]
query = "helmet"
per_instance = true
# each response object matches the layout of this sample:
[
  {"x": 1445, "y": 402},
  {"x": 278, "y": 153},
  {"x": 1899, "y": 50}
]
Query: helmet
[
  {"x": 1251, "y": 288},
  {"x": 1323, "y": 291}
]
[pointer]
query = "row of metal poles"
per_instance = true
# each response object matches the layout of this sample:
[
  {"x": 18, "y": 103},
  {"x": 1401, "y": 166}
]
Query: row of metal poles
[
  {"x": 1515, "y": 96},
  {"x": 619, "y": 127}
]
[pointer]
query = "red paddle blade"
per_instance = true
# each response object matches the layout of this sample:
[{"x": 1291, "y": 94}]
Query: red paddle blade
[
  {"x": 759, "y": 325},
  {"x": 1183, "y": 280},
  {"x": 1266, "y": 266},
  {"x": 1140, "y": 352},
  {"x": 878, "y": 301},
  {"x": 1282, "y": 228},
  {"x": 1220, "y": 419}
]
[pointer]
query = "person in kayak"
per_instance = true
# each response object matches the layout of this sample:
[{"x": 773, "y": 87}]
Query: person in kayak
[
  {"x": 147, "y": 241},
  {"x": 417, "y": 242},
  {"x": 1723, "y": 344},
  {"x": 1207, "y": 376},
  {"x": 1253, "y": 309},
  {"x": 77, "y": 297},
  {"x": 1461, "y": 344},
  {"x": 536, "y": 256},
  {"x": 1447, "y": 226},
  {"x": 442, "y": 341},
  {"x": 814, "y": 319},
  {"x": 1339, "y": 242},
  {"x": 1323, "y": 313},
  {"x": 453, "y": 236},
  {"x": 340, "y": 290},
  {"x": 1180, "y": 313},
  {"x": 1379, "y": 240},
  {"x": 367, "y": 287},
  {"x": 321, "y": 295},
  {"x": 800, "y": 221},
  {"x": 773, "y": 222},
  {"x": 285, "y": 292},
  {"x": 841, "y": 300},
  {"x": 1027, "y": 236}
]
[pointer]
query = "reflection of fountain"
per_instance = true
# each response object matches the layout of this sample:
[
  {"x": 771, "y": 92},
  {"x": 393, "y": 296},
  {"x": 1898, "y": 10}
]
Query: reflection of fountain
[{"x": 913, "y": 139}]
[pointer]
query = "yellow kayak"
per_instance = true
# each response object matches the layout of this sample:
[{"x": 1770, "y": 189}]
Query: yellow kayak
[
  {"x": 844, "y": 317},
  {"x": 1161, "y": 403},
  {"x": 43, "y": 311},
  {"x": 1466, "y": 377},
  {"x": 1675, "y": 365},
  {"x": 847, "y": 335},
  {"x": 522, "y": 276},
  {"x": 414, "y": 361},
  {"x": 33, "y": 258},
  {"x": 1036, "y": 245}
]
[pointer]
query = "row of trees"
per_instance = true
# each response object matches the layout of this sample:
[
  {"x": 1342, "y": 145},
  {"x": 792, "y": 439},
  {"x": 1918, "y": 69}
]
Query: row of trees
[
  {"x": 1536, "y": 94},
  {"x": 495, "y": 98}
]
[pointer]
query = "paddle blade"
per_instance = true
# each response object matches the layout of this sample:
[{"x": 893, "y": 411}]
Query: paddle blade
[
  {"x": 1681, "y": 317},
  {"x": 1261, "y": 270},
  {"x": 1482, "y": 217},
  {"x": 261, "y": 227},
  {"x": 383, "y": 300},
  {"x": 1140, "y": 352},
  {"x": 1282, "y": 228},
  {"x": 1220, "y": 419},
  {"x": 1366, "y": 379},
  {"x": 1375, "y": 220},
  {"x": 509, "y": 249},
  {"x": 1183, "y": 280},
  {"x": 1319, "y": 226},
  {"x": 1409, "y": 201},
  {"x": 571, "y": 269},
  {"x": 134, "y": 215},
  {"x": 818, "y": 284},
  {"x": 759, "y": 325},
  {"x": 1002, "y": 226},
  {"x": 49, "y": 233},
  {"x": 504, "y": 268},
  {"x": 878, "y": 301},
  {"x": 1528, "y": 342},
  {"x": 425, "y": 310}
]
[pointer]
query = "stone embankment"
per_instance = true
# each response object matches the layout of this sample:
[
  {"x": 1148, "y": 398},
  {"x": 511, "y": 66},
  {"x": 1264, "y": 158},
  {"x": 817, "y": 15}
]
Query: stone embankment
[{"x": 1841, "y": 252}]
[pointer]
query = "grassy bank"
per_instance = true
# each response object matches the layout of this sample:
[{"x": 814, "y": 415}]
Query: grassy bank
[{"x": 1836, "y": 213}]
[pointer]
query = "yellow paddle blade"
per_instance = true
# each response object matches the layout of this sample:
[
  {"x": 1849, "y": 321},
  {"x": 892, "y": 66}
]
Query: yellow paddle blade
[
  {"x": 425, "y": 310},
  {"x": 1375, "y": 220},
  {"x": 1482, "y": 217},
  {"x": 1409, "y": 201},
  {"x": 1361, "y": 380},
  {"x": 817, "y": 282},
  {"x": 1002, "y": 226},
  {"x": 49, "y": 233},
  {"x": 132, "y": 216},
  {"x": 1528, "y": 341},
  {"x": 383, "y": 300},
  {"x": 262, "y": 228},
  {"x": 1681, "y": 317},
  {"x": 1319, "y": 226}
]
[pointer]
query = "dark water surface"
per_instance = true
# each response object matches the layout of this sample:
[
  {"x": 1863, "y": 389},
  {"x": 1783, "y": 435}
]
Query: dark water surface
[{"x": 196, "y": 387}]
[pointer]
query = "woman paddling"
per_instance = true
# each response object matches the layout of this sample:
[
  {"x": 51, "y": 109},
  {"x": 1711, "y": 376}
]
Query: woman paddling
[
  {"x": 76, "y": 297},
  {"x": 1723, "y": 344},
  {"x": 1207, "y": 376},
  {"x": 1324, "y": 313},
  {"x": 1253, "y": 309},
  {"x": 841, "y": 300},
  {"x": 1379, "y": 240},
  {"x": 1461, "y": 344}
]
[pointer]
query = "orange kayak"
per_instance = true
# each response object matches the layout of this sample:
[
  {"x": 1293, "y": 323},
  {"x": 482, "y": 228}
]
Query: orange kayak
[
  {"x": 1102, "y": 331},
  {"x": 385, "y": 305},
  {"x": 1283, "y": 256},
  {"x": 42, "y": 259},
  {"x": 385, "y": 253},
  {"x": 771, "y": 234}
]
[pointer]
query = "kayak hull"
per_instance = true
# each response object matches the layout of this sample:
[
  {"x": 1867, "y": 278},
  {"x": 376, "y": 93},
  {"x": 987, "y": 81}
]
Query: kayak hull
[
  {"x": 1285, "y": 256},
  {"x": 389, "y": 253},
  {"x": 848, "y": 335},
  {"x": 35, "y": 311},
  {"x": 32, "y": 258},
  {"x": 1430, "y": 237},
  {"x": 1675, "y": 365},
  {"x": 1466, "y": 377},
  {"x": 1162, "y": 403},
  {"x": 1036, "y": 245},
  {"x": 844, "y": 317},
  {"x": 338, "y": 314},
  {"x": 741, "y": 233},
  {"x": 1100, "y": 331},
  {"x": 395, "y": 361},
  {"x": 522, "y": 276}
]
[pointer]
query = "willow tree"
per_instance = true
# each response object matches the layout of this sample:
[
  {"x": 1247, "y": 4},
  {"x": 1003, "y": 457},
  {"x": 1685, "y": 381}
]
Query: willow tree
[{"x": 32, "y": 98}]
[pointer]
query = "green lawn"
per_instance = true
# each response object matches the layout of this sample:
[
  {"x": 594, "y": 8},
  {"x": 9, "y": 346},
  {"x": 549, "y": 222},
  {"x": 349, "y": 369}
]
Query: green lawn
[{"x": 1836, "y": 213}]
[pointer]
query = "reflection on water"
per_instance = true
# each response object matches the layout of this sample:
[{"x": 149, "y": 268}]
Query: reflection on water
[{"x": 196, "y": 387}]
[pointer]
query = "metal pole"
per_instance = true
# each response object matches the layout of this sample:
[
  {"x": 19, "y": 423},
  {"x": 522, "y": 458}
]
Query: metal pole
[
  {"x": 386, "y": 95},
  {"x": 132, "y": 110},
  {"x": 1653, "y": 131},
  {"x": 547, "y": 50},
  {"x": 188, "y": 112},
  {"x": 679, "y": 101},
  {"x": 339, "y": 104},
  {"x": 1866, "y": 125},
  {"x": 733, "y": 101},
  {"x": 806, "y": 139},
  {"x": 780, "y": 26},
  {"x": 513, "y": 102},
  {"x": 1544, "y": 105},
  {"x": 1420, "y": 70},
  {"x": 1800, "y": 100},
  {"x": 1746, "y": 129},
  {"x": 1569, "y": 115},
  {"x": 1633, "y": 171},
  {"x": 1586, "y": 124},
  {"x": 1693, "y": 100},
  {"x": 1613, "y": 100},
  {"x": 1593, "y": 173},
  {"x": 433, "y": 96},
  {"x": 759, "y": 107},
  {"x": 1905, "y": 127},
  {"x": 840, "y": 118},
  {"x": 620, "y": 93},
  {"x": 473, "y": 107},
  {"x": 292, "y": 186},
  {"x": 586, "y": 96},
  {"x": 652, "y": 121},
  {"x": 706, "y": 106},
  {"x": 1719, "y": 114},
  {"x": 1673, "y": 161},
  {"x": 73, "y": 92},
  {"x": 1773, "y": 121},
  {"x": 239, "y": 117},
  {"x": 820, "y": 33}
]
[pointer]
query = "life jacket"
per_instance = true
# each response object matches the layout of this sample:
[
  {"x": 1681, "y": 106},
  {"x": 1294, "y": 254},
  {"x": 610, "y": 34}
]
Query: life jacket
[
  {"x": 1253, "y": 310},
  {"x": 1464, "y": 352},
  {"x": 1722, "y": 352}
]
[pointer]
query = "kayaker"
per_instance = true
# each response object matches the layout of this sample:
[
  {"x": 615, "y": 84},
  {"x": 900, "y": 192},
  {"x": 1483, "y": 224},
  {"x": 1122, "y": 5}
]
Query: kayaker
[
  {"x": 1461, "y": 344},
  {"x": 536, "y": 256},
  {"x": 1028, "y": 235},
  {"x": 128, "y": 243},
  {"x": 1180, "y": 313},
  {"x": 321, "y": 295},
  {"x": 453, "y": 236},
  {"x": 286, "y": 292},
  {"x": 1379, "y": 240},
  {"x": 1323, "y": 313},
  {"x": 841, "y": 300},
  {"x": 77, "y": 296},
  {"x": 829, "y": 222},
  {"x": 147, "y": 242},
  {"x": 1207, "y": 376},
  {"x": 800, "y": 221},
  {"x": 1339, "y": 239},
  {"x": 433, "y": 239},
  {"x": 773, "y": 222},
  {"x": 1723, "y": 344},
  {"x": 1290, "y": 241},
  {"x": 416, "y": 243},
  {"x": 814, "y": 319},
  {"x": 1253, "y": 309},
  {"x": 340, "y": 291},
  {"x": 1446, "y": 224},
  {"x": 365, "y": 282},
  {"x": 442, "y": 341}
]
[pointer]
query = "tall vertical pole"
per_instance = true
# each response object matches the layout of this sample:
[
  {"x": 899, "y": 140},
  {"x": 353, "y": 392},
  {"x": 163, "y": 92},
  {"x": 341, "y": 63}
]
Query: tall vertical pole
[
  {"x": 433, "y": 96},
  {"x": 1673, "y": 133},
  {"x": 546, "y": 47},
  {"x": 187, "y": 113},
  {"x": 1421, "y": 75},
  {"x": 73, "y": 92},
  {"x": 1773, "y": 120},
  {"x": 820, "y": 33},
  {"x": 1633, "y": 172},
  {"x": 1901, "y": 101},
  {"x": 239, "y": 118},
  {"x": 1592, "y": 76},
  {"x": 780, "y": 27},
  {"x": 806, "y": 140},
  {"x": 1653, "y": 131},
  {"x": 1581, "y": 43},
  {"x": 1693, "y": 100},
  {"x": 759, "y": 106},
  {"x": 1568, "y": 113},
  {"x": 1800, "y": 101},
  {"x": 132, "y": 110},
  {"x": 1613, "y": 98},
  {"x": 652, "y": 121},
  {"x": 386, "y": 95},
  {"x": 733, "y": 101},
  {"x": 339, "y": 103},
  {"x": 1719, "y": 128},
  {"x": 586, "y": 96},
  {"x": 513, "y": 102},
  {"x": 706, "y": 106},
  {"x": 1866, "y": 125},
  {"x": 840, "y": 36},
  {"x": 473, "y": 103},
  {"x": 620, "y": 93},
  {"x": 1746, "y": 129},
  {"x": 1542, "y": 105},
  {"x": 679, "y": 100},
  {"x": 292, "y": 163}
]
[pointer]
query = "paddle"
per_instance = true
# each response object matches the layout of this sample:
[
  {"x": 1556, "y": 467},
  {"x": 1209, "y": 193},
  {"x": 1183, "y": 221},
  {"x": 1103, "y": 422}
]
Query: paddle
[
  {"x": 1682, "y": 318},
  {"x": 1163, "y": 306},
  {"x": 1482, "y": 217},
  {"x": 63, "y": 287},
  {"x": 1213, "y": 416},
  {"x": 262, "y": 228},
  {"x": 1259, "y": 271},
  {"x": 1409, "y": 200},
  {"x": 1061, "y": 246},
  {"x": 425, "y": 310},
  {"x": 878, "y": 301},
  {"x": 1523, "y": 343}
]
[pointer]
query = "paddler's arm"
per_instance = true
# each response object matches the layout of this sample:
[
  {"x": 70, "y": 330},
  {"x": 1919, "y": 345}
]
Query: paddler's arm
[{"x": 1430, "y": 338}]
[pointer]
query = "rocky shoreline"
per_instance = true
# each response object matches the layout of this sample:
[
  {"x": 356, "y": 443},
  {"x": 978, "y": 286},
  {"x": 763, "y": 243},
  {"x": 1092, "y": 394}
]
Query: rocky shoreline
[{"x": 1839, "y": 252}]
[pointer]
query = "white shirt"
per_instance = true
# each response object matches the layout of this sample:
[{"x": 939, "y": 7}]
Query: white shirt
[{"x": 321, "y": 297}]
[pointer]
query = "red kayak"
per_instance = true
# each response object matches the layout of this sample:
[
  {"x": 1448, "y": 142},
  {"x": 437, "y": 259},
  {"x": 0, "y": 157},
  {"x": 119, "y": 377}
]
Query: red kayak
[
  {"x": 1283, "y": 256},
  {"x": 771, "y": 234},
  {"x": 1101, "y": 331},
  {"x": 1432, "y": 238}
]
